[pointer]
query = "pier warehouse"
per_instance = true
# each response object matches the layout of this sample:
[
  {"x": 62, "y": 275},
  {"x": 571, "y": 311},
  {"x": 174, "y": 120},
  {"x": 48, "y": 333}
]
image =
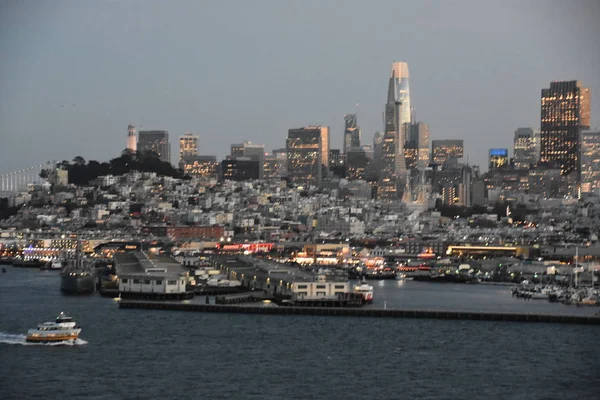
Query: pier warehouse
[
  {"x": 144, "y": 275},
  {"x": 302, "y": 287}
]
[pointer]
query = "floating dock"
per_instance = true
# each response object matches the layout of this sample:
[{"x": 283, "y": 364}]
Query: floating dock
[{"x": 362, "y": 312}]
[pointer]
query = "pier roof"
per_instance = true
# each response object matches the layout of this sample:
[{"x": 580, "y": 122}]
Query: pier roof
[{"x": 147, "y": 264}]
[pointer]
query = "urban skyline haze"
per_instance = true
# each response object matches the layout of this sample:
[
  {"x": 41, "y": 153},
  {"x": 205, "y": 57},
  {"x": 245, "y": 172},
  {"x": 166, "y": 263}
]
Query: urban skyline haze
[{"x": 75, "y": 73}]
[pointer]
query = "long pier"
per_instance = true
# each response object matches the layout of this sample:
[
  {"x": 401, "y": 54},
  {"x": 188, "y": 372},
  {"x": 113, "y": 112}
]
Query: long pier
[{"x": 362, "y": 312}]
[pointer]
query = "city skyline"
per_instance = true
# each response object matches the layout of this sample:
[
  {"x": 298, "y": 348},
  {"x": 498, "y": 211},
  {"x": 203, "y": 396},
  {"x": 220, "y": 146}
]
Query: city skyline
[{"x": 85, "y": 88}]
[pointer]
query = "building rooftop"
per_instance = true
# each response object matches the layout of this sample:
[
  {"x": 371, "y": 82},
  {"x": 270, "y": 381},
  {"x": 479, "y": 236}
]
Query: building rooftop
[{"x": 146, "y": 264}]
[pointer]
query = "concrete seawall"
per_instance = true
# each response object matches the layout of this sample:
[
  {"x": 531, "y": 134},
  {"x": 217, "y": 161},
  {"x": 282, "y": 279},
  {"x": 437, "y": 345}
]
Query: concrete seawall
[{"x": 363, "y": 312}]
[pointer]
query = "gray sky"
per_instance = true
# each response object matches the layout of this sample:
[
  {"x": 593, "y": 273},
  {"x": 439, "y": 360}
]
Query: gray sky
[{"x": 73, "y": 74}]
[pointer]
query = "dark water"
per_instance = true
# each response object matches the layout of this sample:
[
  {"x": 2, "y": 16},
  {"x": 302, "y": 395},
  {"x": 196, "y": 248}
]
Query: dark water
[{"x": 139, "y": 354}]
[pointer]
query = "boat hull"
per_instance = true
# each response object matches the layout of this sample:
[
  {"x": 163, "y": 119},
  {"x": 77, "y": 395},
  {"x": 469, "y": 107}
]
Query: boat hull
[
  {"x": 77, "y": 284},
  {"x": 53, "y": 339}
]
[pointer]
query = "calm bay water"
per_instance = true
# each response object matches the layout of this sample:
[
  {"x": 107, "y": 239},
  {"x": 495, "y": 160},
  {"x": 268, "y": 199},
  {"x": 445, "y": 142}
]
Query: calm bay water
[{"x": 139, "y": 354}]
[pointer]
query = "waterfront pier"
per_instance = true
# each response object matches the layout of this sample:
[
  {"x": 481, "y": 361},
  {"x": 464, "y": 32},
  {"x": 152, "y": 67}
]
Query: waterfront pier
[{"x": 361, "y": 312}]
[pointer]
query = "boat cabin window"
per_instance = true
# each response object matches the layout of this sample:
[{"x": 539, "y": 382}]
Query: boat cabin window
[
  {"x": 136, "y": 281},
  {"x": 147, "y": 282},
  {"x": 171, "y": 282},
  {"x": 124, "y": 280},
  {"x": 159, "y": 282}
]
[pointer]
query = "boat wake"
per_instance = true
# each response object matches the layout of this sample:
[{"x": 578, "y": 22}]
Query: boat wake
[{"x": 9, "y": 338}]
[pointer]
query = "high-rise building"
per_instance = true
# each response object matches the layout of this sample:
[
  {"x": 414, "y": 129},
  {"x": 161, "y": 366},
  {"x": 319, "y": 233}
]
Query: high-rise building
[
  {"x": 337, "y": 163},
  {"x": 274, "y": 166},
  {"x": 308, "y": 154},
  {"x": 281, "y": 161},
  {"x": 422, "y": 137},
  {"x": 402, "y": 89},
  {"x": 498, "y": 159},
  {"x": 392, "y": 177},
  {"x": 465, "y": 186},
  {"x": 335, "y": 158},
  {"x": 537, "y": 141},
  {"x": 201, "y": 166},
  {"x": 417, "y": 145},
  {"x": 445, "y": 150},
  {"x": 357, "y": 162},
  {"x": 351, "y": 132},
  {"x": 590, "y": 162},
  {"x": 524, "y": 154},
  {"x": 157, "y": 142},
  {"x": 449, "y": 194},
  {"x": 377, "y": 152},
  {"x": 188, "y": 146},
  {"x": 253, "y": 151},
  {"x": 239, "y": 169},
  {"x": 256, "y": 152},
  {"x": 411, "y": 151},
  {"x": 565, "y": 113},
  {"x": 131, "y": 138},
  {"x": 237, "y": 150}
]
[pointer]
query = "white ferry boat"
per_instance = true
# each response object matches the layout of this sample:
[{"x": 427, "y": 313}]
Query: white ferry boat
[
  {"x": 64, "y": 328},
  {"x": 366, "y": 291}
]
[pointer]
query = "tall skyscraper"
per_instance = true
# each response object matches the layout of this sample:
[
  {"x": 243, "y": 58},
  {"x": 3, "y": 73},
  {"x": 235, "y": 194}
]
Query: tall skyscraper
[
  {"x": 131, "y": 138},
  {"x": 402, "y": 89},
  {"x": 351, "y": 132},
  {"x": 590, "y": 162},
  {"x": 565, "y": 113},
  {"x": 188, "y": 146},
  {"x": 524, "y": 153},
  {"x": 446, "y": 150},
  {"x": 308, "y": 154},
  {"x": 392, "y": 177},
  {"x": 157, "y": 142}
]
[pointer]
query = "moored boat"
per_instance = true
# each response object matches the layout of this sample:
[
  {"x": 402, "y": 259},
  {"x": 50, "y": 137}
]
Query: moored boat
[
  {"x": 366, "y": 291},
  {"x": 62, "y": 329},
  {"x": 53, "y": 265},
  {"x": 79, "y": 276},
  {"x": 28, "y": 263}
]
